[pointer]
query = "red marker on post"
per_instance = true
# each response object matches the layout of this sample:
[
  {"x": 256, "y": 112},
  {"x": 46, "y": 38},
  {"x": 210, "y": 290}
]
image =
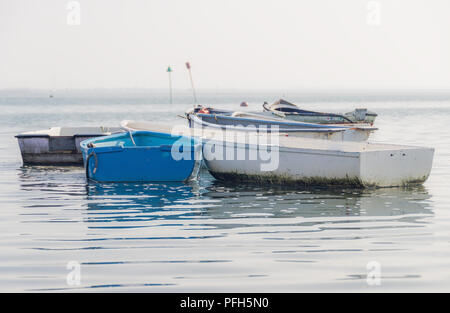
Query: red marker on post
[{"x": 188, "y": 66}]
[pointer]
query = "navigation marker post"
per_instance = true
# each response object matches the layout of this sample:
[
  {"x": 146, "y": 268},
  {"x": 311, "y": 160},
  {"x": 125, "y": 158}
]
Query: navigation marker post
[
  {"x": 188, "y": 66},
  {"x": 169, "y": 70}
]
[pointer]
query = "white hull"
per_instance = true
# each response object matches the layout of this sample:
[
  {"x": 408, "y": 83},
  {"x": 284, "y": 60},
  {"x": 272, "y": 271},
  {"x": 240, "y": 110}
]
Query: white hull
[
  {"x": 57, "y": 145},
  {"x": 378, "y": 166}
]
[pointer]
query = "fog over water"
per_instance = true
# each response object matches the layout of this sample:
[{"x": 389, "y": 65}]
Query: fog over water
[{"x": 260, "y": 44}]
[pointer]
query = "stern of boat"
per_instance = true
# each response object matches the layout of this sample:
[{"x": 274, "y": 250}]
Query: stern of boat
[{"x": 399, "y": 167}]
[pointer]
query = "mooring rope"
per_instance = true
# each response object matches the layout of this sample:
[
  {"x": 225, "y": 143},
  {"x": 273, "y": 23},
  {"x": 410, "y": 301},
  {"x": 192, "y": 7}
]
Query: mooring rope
[
  {"x": 87, "y": 163},
  {"x": 131, "y": 136}
]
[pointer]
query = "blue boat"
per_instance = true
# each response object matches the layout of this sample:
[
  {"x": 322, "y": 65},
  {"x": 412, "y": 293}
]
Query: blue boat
[{"x": 141, "y": 156}]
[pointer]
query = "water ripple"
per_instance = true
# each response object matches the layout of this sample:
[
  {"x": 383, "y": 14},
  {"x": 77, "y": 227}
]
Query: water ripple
[{"x": 220, "y": 236}]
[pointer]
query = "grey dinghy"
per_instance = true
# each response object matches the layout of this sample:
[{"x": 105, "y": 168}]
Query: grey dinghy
[
  {"x": 58, "y": 145},
  {"x": 241, "y": 121},
  {"x": 292, "y": 112}
]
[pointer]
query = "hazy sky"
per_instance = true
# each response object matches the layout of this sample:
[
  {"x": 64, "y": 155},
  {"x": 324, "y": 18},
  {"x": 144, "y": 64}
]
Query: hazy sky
[{"x": 230, "y": 43}]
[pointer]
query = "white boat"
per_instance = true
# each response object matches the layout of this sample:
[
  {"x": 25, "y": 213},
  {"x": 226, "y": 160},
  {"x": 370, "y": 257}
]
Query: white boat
[
  {"x": 244, "y": 121},
  {"x": 321, "y": 162},
  {"x": 58, "y": 145},
  {"x": 301, "y": 160},
  {"x": 291, "y": 111}
]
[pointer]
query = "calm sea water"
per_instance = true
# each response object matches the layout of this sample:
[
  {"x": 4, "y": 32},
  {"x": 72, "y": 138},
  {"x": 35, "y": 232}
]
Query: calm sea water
[{"x": 217, "y": 236}]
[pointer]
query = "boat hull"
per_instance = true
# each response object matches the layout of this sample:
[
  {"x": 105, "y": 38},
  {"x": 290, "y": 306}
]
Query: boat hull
[
  {"x": 327, "y": 119},
  {"x": 292, "y": 112},
  {"x": 122, "y": 162},
  {"x": 57, "y": 146},
  {"x": 315, "y": 119},
  {"x": 305, "y": 130},
  {"x": 398, "y": 166}
]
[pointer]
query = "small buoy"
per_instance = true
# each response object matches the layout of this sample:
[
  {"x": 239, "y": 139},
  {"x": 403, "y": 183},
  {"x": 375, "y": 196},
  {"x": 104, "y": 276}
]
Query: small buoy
[{"x": 244, "y": 104}]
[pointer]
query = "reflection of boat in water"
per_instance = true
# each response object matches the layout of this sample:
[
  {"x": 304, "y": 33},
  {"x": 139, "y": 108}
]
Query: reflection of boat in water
[
  {"x": 217, "y": 200},
  {"x": 285, "y": 201},
  {"x": 212, "y": 199},
  {"x": 140, "y": 202}
]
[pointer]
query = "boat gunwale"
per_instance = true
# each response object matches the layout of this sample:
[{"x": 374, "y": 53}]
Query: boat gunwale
[
  {"x": 268, "y": 129},
  {"x": 299, "y": 124},
  {"x": 305, "y": 112},
  {"x": 285, "y": 149},
  {"x": 286, "y": 142},
  {"x": 65, "y": 136},
  {"x": 311, "y": 113},
  {"x": 113, "y": 148},
  {"x": 343, "y": 150}
]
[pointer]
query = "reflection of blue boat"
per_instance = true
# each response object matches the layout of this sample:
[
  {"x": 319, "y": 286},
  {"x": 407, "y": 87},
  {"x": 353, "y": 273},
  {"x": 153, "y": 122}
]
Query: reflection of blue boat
[{"x": 141, "y": 156}]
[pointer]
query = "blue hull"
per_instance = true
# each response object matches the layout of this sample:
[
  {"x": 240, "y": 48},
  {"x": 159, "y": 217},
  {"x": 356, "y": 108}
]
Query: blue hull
[{"x": 141, "y": 156}]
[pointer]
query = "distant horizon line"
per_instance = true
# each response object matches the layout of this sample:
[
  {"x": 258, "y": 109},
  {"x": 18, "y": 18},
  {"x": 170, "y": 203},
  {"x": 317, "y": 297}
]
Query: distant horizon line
[{"x": 376, "y": 90}]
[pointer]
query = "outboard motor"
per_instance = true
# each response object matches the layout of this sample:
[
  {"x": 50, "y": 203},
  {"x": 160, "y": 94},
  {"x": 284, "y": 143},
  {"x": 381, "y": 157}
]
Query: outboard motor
[{"x": 360, "y": 114}]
